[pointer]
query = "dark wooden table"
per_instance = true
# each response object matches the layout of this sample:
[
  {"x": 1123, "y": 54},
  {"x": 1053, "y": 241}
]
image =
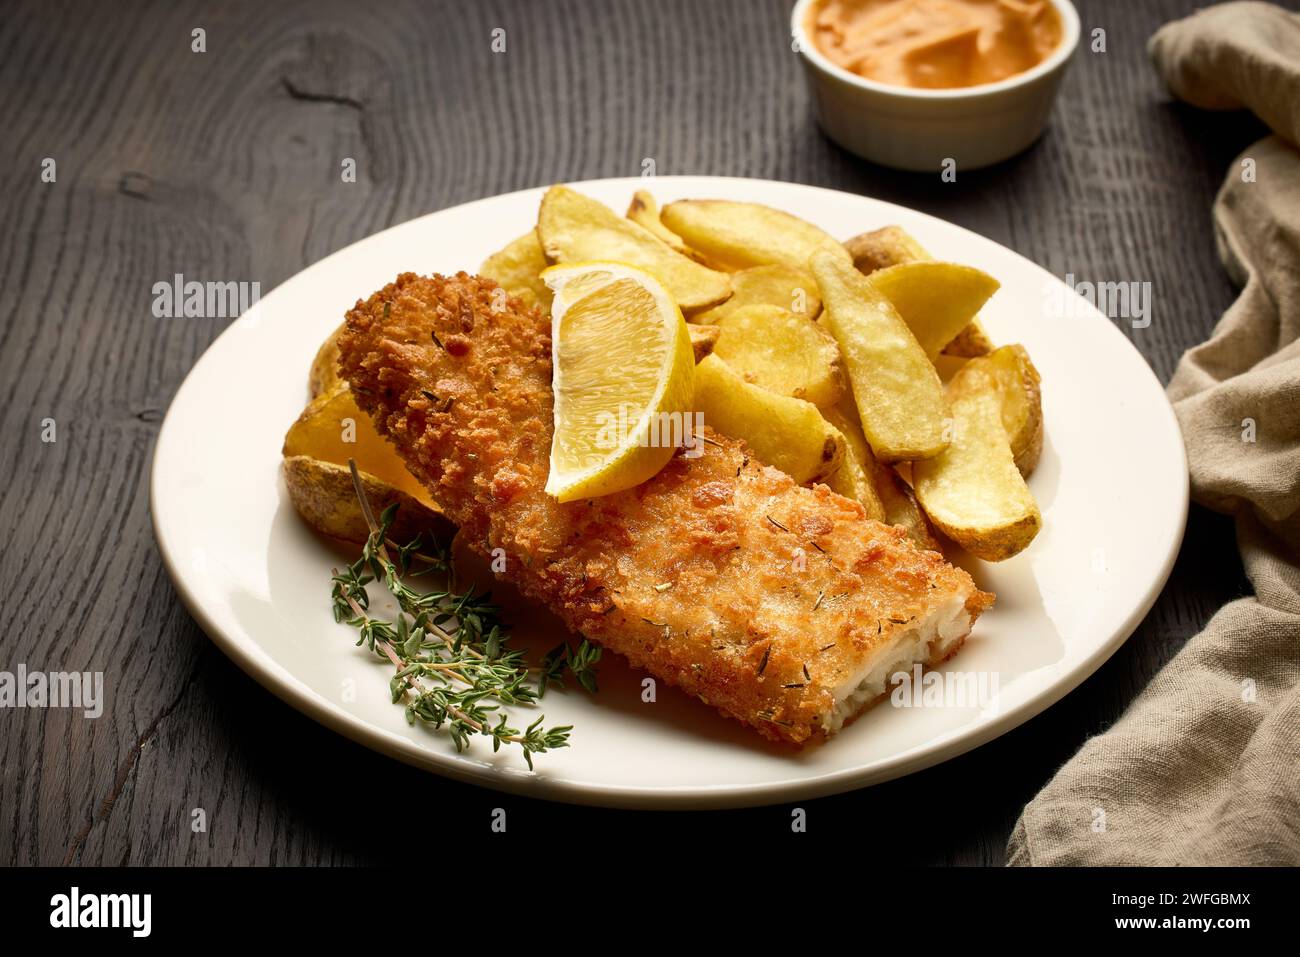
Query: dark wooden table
[{"x": 225, "y": 164}]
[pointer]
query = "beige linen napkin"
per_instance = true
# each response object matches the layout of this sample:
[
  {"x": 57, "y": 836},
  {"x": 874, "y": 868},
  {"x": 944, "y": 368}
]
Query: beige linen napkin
[{"x": 1204, "y": 767}]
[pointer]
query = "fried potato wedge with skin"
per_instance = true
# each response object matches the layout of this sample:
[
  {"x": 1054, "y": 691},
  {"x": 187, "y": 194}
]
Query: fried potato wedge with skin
[
  {"x": 882, "y": 248},
  {"x": 902, "y": 508},
  {"x": 322, "y": 493},
  {"x": 972, "y": 491},
  {"x": 1010, "y": 374},
  {"x": 517, "y": 269},
  {"x": 893, "y": 245},
  {"x": 788, "y": 434},
  {"x": 644, "y": 211},
  {"x": 854, "y": 478},
  {"x": 898, "y": 394},
  {"x": 575, "y": 228},
  {"x": 781, "y": 352},
  {"x": 324, "y": 374},
  {"x": 970, "y": 342},
  {"x": 703, "y": 339},
  {"x": 896, "y": 501},
  {"x": 333, "y": 429},
  {"x": 936, "y": 300},
  {"x": 734, "y": 235},
  {"x": 775, "y": 285},
  {"x": 316, "y": 455},
  {"x": 852, "y": 481}
]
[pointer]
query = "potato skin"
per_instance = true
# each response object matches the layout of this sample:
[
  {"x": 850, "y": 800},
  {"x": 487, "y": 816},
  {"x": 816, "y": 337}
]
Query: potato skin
[
  {"x": 972, "y": 491},
  {"x": 994, "y": 545},
  {"x": 315, "y": 463},
  {"x": 644, "y": 211},
  {"x": 971, "y": 341},
  {"x": 703, "y": 339},
  {"x": 855, "y": 478},
  {"x": 1011, "y": 373},
  {"x": 1027, "y": 441},
  {"x": 902, "y": 508},
  {"x": 1028, "y": 454},
  {"x": 324, "y": 374},
  {"x": 884, "y": 247},
  {"x": 322, "y": 493}
]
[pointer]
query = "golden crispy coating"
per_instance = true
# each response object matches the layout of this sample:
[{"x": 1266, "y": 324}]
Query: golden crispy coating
[{"x": 719, "y": 575}]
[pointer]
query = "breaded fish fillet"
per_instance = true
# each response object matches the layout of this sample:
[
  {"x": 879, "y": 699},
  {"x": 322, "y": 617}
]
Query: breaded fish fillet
[{"x": 782, "y": 606}]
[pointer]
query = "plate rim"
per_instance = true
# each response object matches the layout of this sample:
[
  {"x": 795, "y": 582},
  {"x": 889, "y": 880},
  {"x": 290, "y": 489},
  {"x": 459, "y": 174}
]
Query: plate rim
[{"x": 285, "y": 685}]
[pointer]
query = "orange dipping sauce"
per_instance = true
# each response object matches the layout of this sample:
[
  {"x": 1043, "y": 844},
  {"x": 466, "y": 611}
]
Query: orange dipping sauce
[{"x": 935, "y": 44}]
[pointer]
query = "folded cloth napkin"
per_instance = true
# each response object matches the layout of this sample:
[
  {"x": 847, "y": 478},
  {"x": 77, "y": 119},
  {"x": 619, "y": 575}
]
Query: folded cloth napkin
[{"x": 1204, "y": 767}]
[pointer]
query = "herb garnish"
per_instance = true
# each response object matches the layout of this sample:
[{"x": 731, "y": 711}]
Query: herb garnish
[{"x": 449, "y": 648}]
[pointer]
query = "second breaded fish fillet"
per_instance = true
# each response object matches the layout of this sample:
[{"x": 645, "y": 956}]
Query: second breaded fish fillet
[{"x": 782, "y": 606}]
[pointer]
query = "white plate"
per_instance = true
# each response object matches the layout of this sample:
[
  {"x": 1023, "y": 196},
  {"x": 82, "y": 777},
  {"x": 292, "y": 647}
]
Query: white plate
[{"x": 1112, "y": 485}]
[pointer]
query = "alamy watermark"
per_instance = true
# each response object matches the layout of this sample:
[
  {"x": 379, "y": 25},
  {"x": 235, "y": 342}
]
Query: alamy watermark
[
  {"x": 74, "y": 909},
  {"x": 191, "y": 299},
  {"x": 919, "y": 688},
  {"x": 663, "y": 430},
  {"x": 1115, "y": 300},
  {"x": 53, "y": 689}
]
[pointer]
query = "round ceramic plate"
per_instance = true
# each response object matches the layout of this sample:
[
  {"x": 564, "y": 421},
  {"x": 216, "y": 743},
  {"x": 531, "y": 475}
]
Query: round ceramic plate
[{"x": 1112, "y": 485}]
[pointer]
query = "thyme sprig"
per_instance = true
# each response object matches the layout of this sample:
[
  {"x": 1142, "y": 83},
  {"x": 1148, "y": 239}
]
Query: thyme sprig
[{"x": 449, "y": 649}]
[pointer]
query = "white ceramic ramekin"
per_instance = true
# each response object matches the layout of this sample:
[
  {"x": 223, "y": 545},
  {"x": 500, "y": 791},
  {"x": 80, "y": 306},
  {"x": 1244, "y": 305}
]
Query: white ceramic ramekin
[{"x": 919, "y": 129}]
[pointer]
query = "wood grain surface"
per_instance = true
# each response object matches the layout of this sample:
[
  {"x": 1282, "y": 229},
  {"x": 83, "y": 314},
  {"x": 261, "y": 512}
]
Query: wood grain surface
[{"x": 225, "y": 165}]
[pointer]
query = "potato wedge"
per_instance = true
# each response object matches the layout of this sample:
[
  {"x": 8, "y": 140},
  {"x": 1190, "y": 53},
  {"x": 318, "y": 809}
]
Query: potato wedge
[
  {"x": 1010, "y": 374},
  {"x": 972, "y": 490},
  {"x": 733, "y": 235},
  {"x": 703, "y": 339},
  {"x": 854, "y": 479},
  {"x": 902, "y": 508},
  {"x": 788, "y": 434},
  {"x": 333, "y": 429},
  {"x": 892, "y": 245},
  {"x": 322, "y": 493},
  {"x": 882, "y": 248},
  {"x": 898, "y": 394},
  {"x": 517, "y": 269},
  {"x": 970, "y": 342},
  {"x": 644, "y": 211},
  {"x": 575, "y": 228},
  {"x": 936, "y": 300},
  {"x": 782, "y": 353},
  {"x": 324, "y": 374},
  {"x": 775, "y": 285},
  {"x": 892, "y": 493}
]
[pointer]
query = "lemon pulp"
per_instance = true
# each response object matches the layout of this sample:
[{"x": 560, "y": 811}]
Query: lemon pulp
[{"x": 622, "y": 362}]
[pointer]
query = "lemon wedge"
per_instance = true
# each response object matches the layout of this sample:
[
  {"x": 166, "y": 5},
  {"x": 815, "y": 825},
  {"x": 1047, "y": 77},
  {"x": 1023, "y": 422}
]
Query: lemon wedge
[{"x": 623, "y": 378}]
